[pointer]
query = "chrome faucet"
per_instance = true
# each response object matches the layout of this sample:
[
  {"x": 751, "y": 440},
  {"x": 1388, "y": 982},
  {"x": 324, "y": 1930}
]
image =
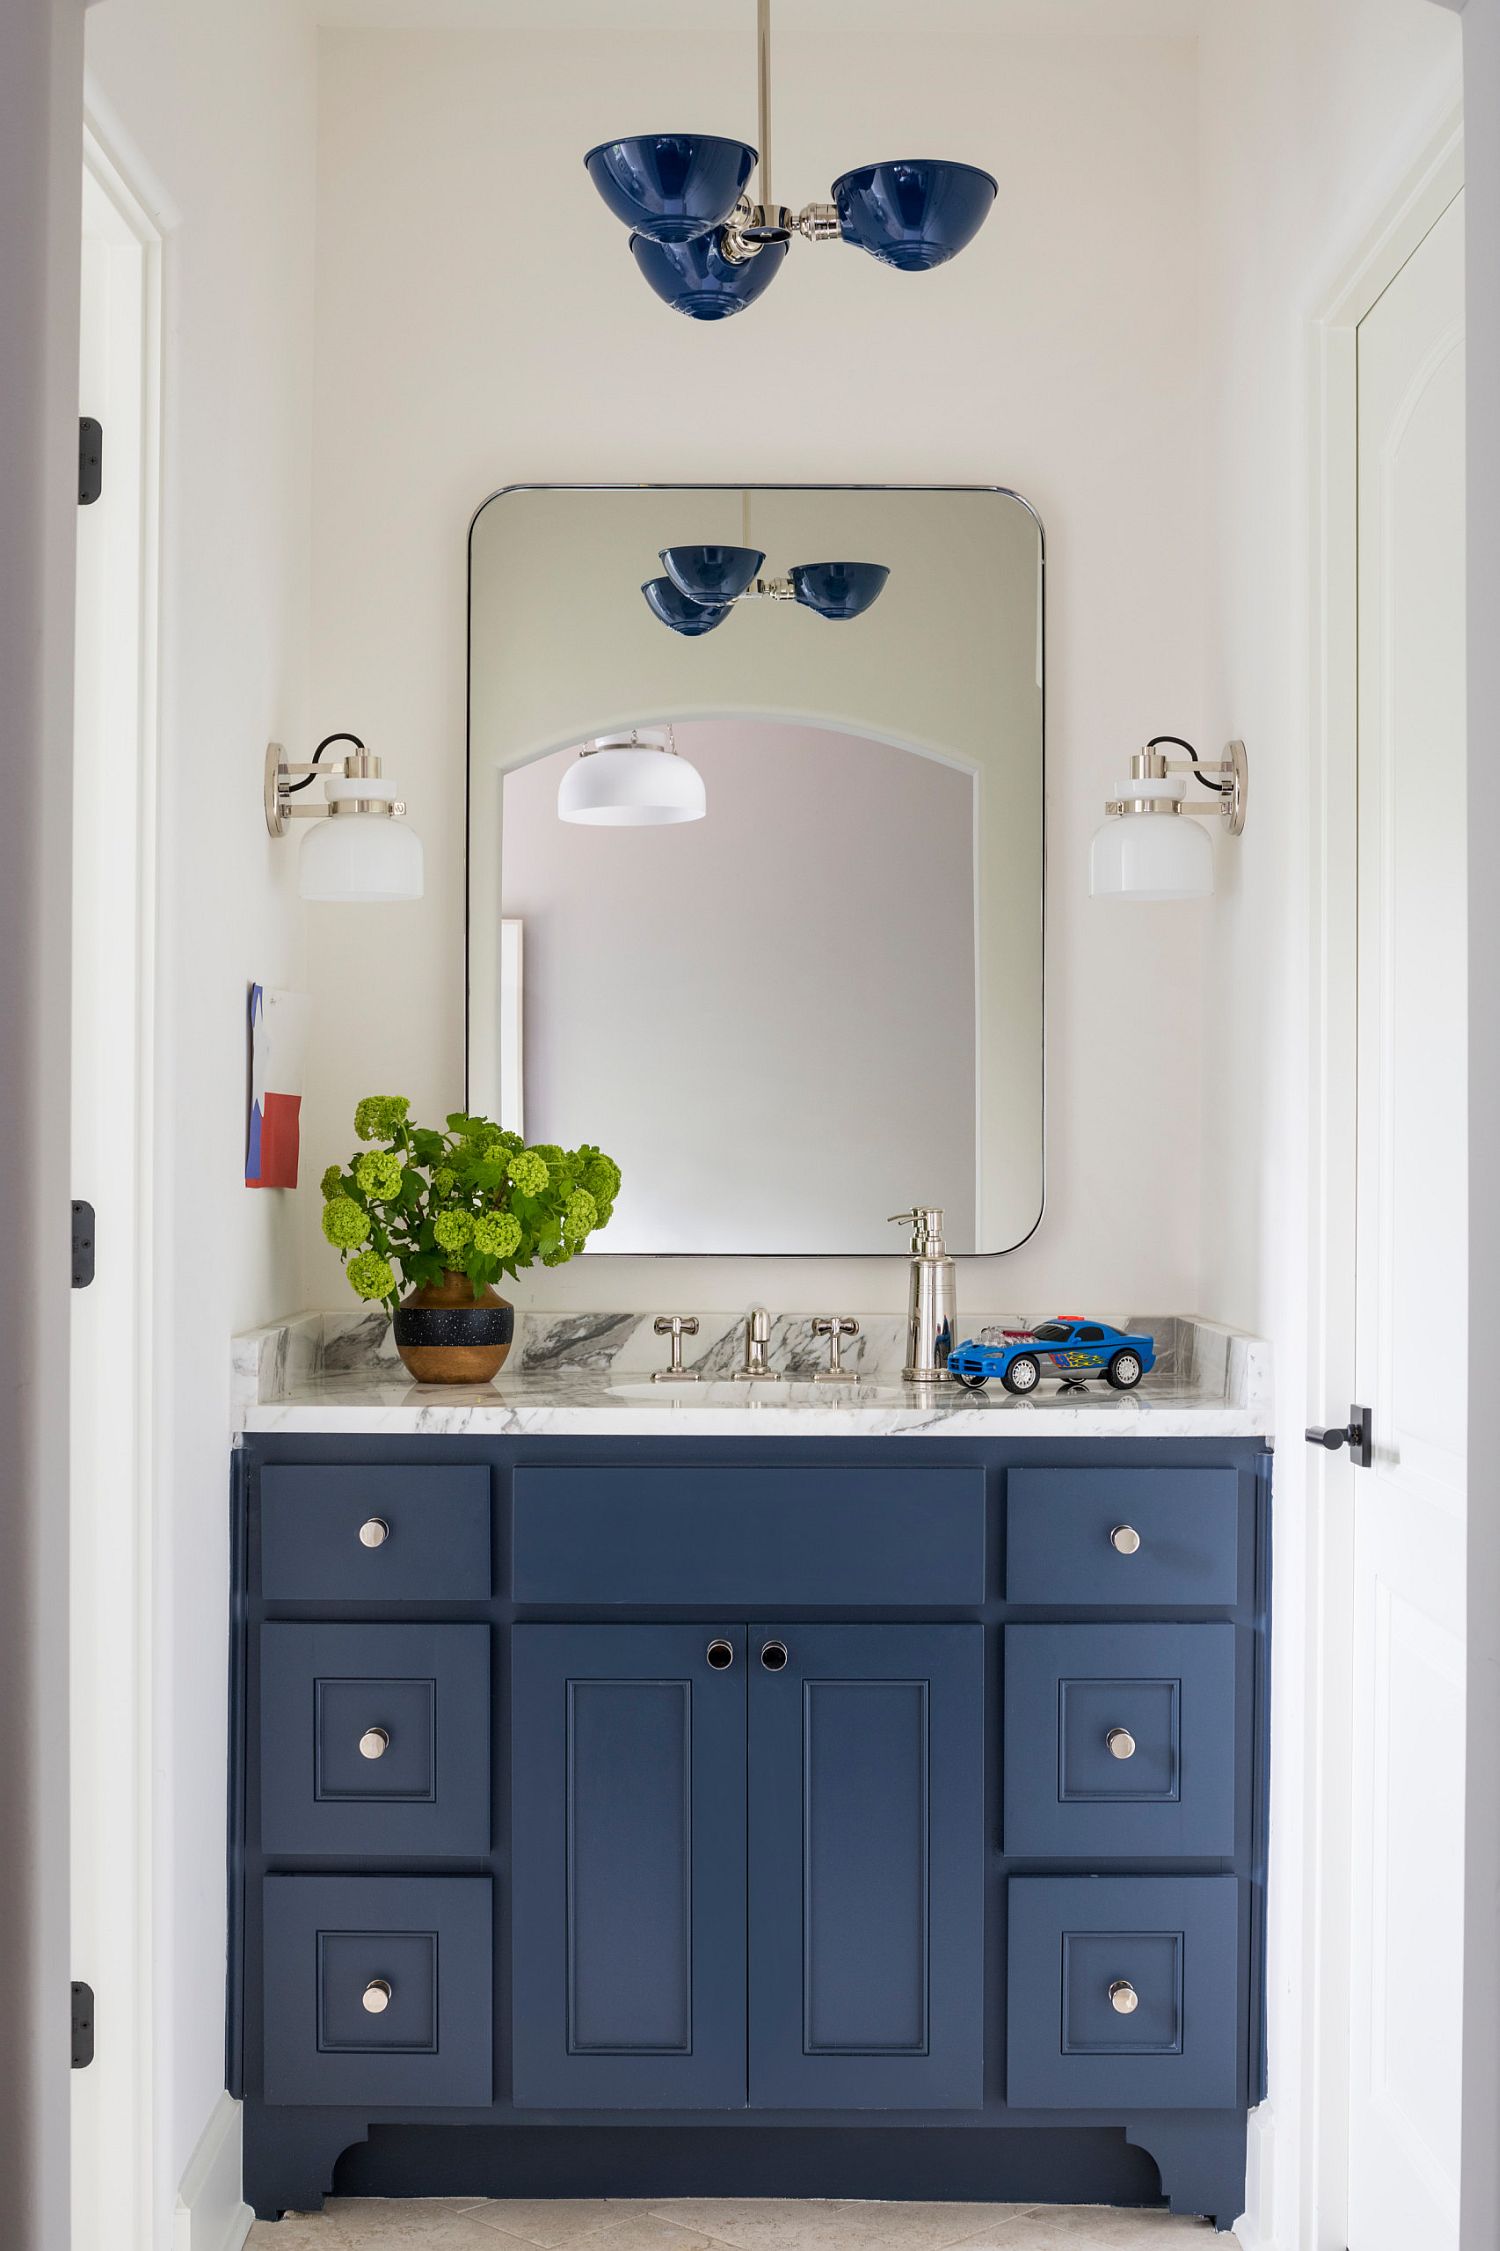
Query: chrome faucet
[
  {"x": 835, "y": 1326},
  {"x": 757, "y": 1337},
  {"x": 676, "y": 1326}
]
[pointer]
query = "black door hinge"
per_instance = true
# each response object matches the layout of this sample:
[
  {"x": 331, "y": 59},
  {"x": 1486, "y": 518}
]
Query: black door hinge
[
  {"x": 90, "y": 460},
  {"x": 1357, "y": 1434},
  {"x": 83, "y": 2025},
  {"x": 83, "y": 1244}
]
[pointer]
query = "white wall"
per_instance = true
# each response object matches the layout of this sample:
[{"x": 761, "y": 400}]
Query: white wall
[
  {"x": 209, "y": 106},
  {"x": 480, "y": 323},
  {"x": 1311, "y": 113}
]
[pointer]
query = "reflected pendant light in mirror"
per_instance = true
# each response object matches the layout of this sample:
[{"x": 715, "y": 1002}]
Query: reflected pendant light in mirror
[
  {"x": 709, "y": 250},
  {"x": 633, "y": 780}
]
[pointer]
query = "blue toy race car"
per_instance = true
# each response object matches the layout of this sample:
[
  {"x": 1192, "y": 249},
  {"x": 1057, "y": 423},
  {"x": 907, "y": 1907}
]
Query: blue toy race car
[{"x": 1074, "y": 1350}]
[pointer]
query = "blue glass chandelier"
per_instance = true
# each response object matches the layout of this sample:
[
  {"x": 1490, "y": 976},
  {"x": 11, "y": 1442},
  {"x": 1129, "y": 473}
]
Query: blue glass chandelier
[{"x": 709, "y": 250}]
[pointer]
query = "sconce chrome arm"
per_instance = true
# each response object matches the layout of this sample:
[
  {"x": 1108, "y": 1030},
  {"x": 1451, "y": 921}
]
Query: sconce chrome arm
[
  {"x": 360, "y": 765},
  {"x": 1149, "y": 765}
]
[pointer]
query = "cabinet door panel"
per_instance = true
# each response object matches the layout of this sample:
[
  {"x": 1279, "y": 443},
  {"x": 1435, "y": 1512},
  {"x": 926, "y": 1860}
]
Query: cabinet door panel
[
  {"x": 629, "y": 1867},
  {"x": 866, "y": 1868}
]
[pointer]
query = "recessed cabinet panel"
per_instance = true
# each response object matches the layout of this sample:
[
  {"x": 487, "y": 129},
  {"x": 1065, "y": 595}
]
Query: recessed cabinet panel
[
  {"x": 1121, "y": 1741},
  {"x": 1126, "y": 1539},
  {"x": 866, "y": 1867},
  {"x": 1124, "y": 1993},
  {"x": 628, "y": 1854},
  {"x": 377, "y": 1989},
  {"x": 377, "y": 1533},
  {"x": 375, "y": 1740}
]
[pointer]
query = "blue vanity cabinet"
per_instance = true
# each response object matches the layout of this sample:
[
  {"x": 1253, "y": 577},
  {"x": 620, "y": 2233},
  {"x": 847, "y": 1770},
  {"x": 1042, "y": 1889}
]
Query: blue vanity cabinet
[
  {"x": 851, "y": 1818},
  {"x": 866, "y": 1867},
  {"x": 628, "y": 1879}
]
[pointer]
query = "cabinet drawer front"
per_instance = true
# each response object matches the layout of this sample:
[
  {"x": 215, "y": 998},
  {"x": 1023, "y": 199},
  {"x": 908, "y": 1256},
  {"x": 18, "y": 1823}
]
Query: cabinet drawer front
[
  {"x": 417, "y": 1534},
  {"x": 722, "y": 1538},
  {"x": 1120, "y": 1740},
  {"x": 1125, "y": 1539},
  {"x": 1124, "y": 1993},
  {"x": 420, "y": 1946},
  {"x": 375, "y": 1739}
]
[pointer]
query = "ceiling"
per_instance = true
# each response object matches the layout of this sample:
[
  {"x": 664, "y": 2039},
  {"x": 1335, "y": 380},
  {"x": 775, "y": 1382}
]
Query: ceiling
[{"x": 1180, "y": 18}]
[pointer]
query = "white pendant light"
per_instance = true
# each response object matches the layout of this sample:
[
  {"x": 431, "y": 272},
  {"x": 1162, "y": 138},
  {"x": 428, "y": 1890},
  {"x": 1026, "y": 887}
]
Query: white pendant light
[
  {"x": 634, "y": 780},
  {"x": 361, "y": 851},
  {"x": 1148, "y": 848}
]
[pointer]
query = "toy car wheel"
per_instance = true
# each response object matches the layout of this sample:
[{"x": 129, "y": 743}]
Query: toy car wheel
[
  {"x": 1023, "y": 1374},
  {"x": 1124, "y": 1371},
  {"x": 970, "y": 1383}
]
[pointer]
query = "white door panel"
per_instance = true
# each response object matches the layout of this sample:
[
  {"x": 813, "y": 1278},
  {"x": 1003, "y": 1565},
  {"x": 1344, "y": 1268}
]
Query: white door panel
[{"x": 1406, "y": 1908}]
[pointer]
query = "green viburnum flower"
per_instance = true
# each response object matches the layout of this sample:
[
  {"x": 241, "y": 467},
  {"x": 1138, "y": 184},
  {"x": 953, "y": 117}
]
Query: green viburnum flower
[
  {"x": 453, "y": 1229},
  {"x": 580, "y": 1212},
  {"x": 559, "y": 1257},
  {"x": 528, "y": 1169},
  {"x": 602, "y": 1179},
  {"x": 331, "y": 1182},
  {"x": 379, "y": 1174},
  {"x": 344, "y": 1224},
  {"x": 380, "y": 1116},
  {"x": 370, "y": 1276},
  {"x": 497, "y": 1234},
  {"x": 445, "y": 1180}
]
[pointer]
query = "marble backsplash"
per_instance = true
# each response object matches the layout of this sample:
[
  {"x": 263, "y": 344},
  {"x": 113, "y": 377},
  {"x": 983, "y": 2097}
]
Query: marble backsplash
[{"x": 270, "y": 1363}]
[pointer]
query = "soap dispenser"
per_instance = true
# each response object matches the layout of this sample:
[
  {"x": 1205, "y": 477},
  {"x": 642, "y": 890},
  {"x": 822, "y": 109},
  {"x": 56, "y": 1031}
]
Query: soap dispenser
[{"x": 932, "y": 1308}]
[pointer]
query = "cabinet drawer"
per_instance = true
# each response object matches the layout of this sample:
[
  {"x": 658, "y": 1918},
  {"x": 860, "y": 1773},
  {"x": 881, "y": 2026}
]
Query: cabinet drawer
[
  {"x": 375, "y": 1739},
  {"x": 417, "y": 1946},
  {"x": 722, "y": 1538},
  {"x": 406, "y": 1534},
  {"x": 1120, "y": 1741},
  {"x": 1129, "y": 1539},
  {"x": 1124, "y": 1993}
]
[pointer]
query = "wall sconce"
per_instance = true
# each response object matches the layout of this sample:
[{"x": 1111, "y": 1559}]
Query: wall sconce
[
  {"x": 364, "y": 851},
  {"x": 1146, "y": 849}
]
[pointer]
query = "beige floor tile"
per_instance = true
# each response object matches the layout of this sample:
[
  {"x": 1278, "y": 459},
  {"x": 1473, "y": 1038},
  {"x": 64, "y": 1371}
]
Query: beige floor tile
[
  {"x": 784, "y": 2224},
  {"x": 549, "y": 2221},
  {"x": 403, "y": 2223},
  {"x": 1095, "y": 2227}
]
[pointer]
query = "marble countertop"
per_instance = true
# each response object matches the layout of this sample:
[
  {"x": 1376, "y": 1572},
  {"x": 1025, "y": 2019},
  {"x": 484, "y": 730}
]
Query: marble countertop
[{"x": 590, "y": 1376}]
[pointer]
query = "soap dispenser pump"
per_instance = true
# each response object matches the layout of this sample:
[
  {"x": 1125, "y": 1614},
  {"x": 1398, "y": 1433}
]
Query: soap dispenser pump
[{"x": 932, "y": 1307}]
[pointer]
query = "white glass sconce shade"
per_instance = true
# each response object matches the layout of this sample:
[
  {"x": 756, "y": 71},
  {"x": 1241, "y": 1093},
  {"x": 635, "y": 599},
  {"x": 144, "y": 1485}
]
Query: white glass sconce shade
[
  {"x": 1151, "y": 856},
  {"x": 373, "y": 858},
  {"x": 631, "y": 781}
]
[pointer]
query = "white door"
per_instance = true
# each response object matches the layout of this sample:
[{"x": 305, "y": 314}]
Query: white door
[{"x": 1406, "y": 1912}]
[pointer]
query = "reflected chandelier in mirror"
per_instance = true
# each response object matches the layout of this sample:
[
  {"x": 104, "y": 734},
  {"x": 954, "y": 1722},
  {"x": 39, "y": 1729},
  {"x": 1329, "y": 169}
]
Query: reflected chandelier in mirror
[{"x": 767, "y": 905}]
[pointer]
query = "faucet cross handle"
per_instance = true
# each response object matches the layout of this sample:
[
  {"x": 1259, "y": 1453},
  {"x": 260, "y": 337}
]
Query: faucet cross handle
[
  {"x": 834, "y": 1326},
  {"x": 676, "y": 1326}
]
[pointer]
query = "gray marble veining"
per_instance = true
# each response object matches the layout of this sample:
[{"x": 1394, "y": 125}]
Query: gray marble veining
[{"x": 591, "y": 1374}]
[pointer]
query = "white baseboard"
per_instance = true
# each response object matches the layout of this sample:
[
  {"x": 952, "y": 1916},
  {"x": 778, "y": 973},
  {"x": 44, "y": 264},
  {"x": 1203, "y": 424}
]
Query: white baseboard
[{"x": 211, "y": 2214}]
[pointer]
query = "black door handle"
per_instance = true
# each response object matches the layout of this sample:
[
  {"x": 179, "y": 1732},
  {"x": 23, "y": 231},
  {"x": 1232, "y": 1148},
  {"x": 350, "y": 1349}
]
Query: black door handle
[{"x": 1357, "y": 1435}]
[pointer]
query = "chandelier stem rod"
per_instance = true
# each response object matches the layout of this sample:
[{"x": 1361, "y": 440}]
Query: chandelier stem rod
[{"x": 763, "y": 59}]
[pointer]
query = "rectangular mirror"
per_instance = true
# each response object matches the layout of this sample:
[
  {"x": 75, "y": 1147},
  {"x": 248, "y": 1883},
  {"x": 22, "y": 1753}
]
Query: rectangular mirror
[{"x": 777, "y": 944}]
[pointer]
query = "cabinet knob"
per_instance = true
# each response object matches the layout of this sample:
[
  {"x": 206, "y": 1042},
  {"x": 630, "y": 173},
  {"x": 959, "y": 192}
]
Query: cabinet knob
[
  {"x": 721, "y": 1655},
  {"x": 1123, "y": 1997},
  {"x": 374, "y": 1743},
  {"x": 1121, "y": 1743},
  {"x": 377, "y": 1996},
  {"x": 1125, "y": 1539},
  {"x": 374, "y": 1532},
  {"x": 773, "y": 1656}
]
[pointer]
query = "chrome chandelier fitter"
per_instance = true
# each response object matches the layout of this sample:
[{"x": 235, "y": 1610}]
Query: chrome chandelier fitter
[{"x": 709, "y": 251}]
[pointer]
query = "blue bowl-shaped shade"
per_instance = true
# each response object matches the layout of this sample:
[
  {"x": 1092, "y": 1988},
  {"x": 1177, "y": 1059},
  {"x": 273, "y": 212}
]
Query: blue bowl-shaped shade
[
  {"x": 671, "y": 605},
  {"x": 915, "y": 214},
  {"x": 671, "y": 186},
  {"x": 712, "y": 574},
  {"x": 838, "y": 589},
  {"x": 697, "y": 279}
]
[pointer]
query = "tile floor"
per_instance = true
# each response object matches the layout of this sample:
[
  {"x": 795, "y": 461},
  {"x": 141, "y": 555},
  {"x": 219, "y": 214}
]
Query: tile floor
[{"x": 724, "y": 2224}]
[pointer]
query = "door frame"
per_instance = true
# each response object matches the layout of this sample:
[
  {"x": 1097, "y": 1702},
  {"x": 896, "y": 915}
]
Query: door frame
[
  {"x": 112, "y": 1595},
  {"x": 1421, "y": 195}
]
